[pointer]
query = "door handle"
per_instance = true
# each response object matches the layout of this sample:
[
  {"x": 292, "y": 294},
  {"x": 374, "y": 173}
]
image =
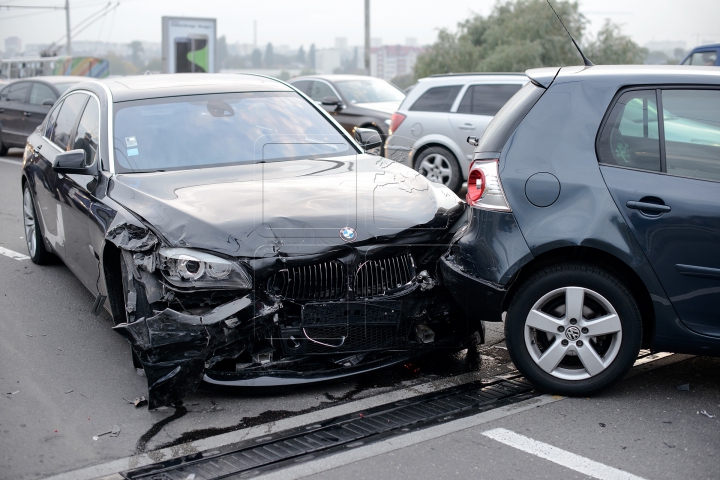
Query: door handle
[
  {"x": 27, "y": 114},
  {"x": 467, "y": 126},
  {"x": 648, "y": 207}
]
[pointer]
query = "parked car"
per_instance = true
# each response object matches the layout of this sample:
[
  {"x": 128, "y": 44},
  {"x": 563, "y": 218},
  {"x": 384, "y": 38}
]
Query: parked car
[
  {"x": 242, "y": 236},
  {"x": 353, "y": 100},
  {"x": 24, "y": 104},
  {"x": 595, "y": 221},
  {"x": 430, "y": 129},
  {"x": 704, "y": 55}
]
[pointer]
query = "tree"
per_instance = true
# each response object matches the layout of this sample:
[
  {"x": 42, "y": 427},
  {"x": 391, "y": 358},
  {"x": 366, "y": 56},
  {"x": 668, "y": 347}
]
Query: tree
[
  {"x": 611, "y": 47},
  {"x": 136, "y": 49},
  {"x": 222, "y": 52},
  {"x": 269, "y": 55},
  {"x": 301, "y": 55},
  {"x": 311, "y": 57},
  {"x": 522, "y": 34},
  {"x": 256, "y": 58}
]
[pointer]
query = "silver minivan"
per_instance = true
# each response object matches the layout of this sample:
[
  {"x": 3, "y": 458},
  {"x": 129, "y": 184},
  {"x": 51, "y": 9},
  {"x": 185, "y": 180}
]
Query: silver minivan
[{"x": 430, "y": 129}]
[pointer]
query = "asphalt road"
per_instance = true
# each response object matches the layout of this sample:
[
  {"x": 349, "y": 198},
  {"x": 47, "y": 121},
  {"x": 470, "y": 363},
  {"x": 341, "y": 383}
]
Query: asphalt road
[{"x": 73, "y": 376}]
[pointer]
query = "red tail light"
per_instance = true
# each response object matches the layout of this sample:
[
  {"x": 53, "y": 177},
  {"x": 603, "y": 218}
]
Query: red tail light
[
  {"x": 484, "y": 189},
  {"x": 395, "y": 121}
]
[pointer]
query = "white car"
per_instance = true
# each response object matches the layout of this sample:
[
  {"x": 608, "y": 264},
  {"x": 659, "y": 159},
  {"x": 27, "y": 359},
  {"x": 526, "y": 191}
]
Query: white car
[{"x": 430, "y": 129}]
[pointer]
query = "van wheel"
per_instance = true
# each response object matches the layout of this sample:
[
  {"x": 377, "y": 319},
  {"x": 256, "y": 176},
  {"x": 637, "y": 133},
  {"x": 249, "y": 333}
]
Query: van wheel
[
  {"x": 439, "y": 165},
  {"x": 573, "y": 329}
]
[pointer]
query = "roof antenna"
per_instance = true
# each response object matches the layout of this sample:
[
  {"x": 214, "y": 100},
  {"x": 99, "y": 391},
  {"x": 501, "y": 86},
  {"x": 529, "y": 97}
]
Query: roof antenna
[{"x": 587, "y": 62}]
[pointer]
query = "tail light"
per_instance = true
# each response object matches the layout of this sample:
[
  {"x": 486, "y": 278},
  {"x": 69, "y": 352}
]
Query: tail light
[
  {"x": 484, "y": 189},
  {"x": 395, "y": 121}
]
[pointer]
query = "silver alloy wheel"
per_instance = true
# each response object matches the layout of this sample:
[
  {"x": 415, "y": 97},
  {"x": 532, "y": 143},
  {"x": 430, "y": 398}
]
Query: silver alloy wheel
[
  {"x": 436, "y": 168},
  {"x": 573, "y": 333},
  {"x": 29, "y": 219}
]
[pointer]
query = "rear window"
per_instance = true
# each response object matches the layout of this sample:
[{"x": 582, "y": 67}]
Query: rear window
[
  {"x": 436, "y": 99},
  {"x": 486, "y": 99},
  {"x": 508, "y": 118}
]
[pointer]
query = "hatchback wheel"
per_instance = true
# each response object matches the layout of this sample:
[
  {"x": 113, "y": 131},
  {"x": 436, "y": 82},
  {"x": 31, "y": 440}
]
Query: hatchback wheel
[
  {"x": 573, "y": 329},
  {"x": 33, "y": 238},
  {"x": 439, "y": 165}
]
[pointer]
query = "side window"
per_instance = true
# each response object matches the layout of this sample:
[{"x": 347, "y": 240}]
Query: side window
[
  {"x": 67, "y": 118},
  {"x": 51, "y": 121},
  {"x": 486, "y": 99},
  {"x": 18, "y": 92},
  {"x": 630, "y": 135},
  {"x": 436, "y": 99},
  {"x": 41, "y": 93},
  {"x": 692, "y": 133},
  {"x": 303, "y": 86},
  {"x": 321, "y": 90},
  {"x": 702, "y": 58},
  {"x": 88, "y": 132}
]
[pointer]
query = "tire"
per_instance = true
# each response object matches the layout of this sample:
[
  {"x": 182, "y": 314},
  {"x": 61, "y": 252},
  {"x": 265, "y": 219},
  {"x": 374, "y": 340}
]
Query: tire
[
  {"x": 538, "y": 322},
  {"x": 439, "y": 165},
  {"x": 3, "y": 148},
  {"x": 33, "y": 238}
]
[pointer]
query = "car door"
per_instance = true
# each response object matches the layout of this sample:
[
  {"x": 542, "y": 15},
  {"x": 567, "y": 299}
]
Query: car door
[
  {"x": 42, "y": 98},
  {"x": 476, "y": 110},
  {"x": 77, "y": 209},
  {"x": 12, "y": 109},
  {"x": 661, "y": 156},
  {"x": 53, "y": 197}
]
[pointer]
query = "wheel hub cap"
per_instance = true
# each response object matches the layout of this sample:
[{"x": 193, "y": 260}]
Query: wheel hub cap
[{"x": 572, "y": 333}]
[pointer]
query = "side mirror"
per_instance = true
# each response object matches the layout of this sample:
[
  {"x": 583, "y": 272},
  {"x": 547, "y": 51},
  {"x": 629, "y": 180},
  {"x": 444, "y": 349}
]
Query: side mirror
[
  {"x": 367, "y": 138},
  {"x": 48, "y": 102},
  {"x": 332, "y": 104},
  {"x": 72, "y": 162}
]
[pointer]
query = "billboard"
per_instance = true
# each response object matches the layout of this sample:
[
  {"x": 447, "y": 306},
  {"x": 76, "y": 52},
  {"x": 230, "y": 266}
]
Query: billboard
[{"x": 188, "y": 44}]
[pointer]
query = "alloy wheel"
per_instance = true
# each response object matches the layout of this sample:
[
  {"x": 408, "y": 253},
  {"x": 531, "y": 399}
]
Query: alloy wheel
[
  {"x": 436, "y": 168},
  {"x": 29, "y": 220},
  {"x": 573, "y": 333}
]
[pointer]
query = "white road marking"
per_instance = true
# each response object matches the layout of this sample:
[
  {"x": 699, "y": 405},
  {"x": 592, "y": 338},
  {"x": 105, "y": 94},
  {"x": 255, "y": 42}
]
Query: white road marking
[
  {"x": 11, "y": 162},
  {"x": 12, "y": 254},
  {"x": 557, "y": 455}
]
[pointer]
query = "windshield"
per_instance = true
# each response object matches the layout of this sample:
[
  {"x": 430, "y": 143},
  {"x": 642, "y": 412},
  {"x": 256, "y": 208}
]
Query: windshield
[
  {"x": 213, "y": 130},
  {"x": 369, "y": 90}
]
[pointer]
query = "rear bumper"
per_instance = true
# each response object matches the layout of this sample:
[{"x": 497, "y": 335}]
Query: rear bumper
[{"x": 479, "y": 298}]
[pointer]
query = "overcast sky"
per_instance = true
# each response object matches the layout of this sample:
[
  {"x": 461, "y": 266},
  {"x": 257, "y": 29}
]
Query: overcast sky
[{"x": 302, "y": 22}]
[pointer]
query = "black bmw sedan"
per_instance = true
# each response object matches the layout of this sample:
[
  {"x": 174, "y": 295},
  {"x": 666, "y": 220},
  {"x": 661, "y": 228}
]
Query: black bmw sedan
[{"x": 237, "y": 234}]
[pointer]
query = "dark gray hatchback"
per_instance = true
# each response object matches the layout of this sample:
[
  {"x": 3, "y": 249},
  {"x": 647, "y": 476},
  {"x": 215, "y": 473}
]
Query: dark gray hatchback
[{"x": 596, "y": 221}]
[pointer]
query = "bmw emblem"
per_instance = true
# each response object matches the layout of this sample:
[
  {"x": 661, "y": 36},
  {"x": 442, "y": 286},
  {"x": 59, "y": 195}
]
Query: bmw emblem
[{"x": 348, "y": 234}]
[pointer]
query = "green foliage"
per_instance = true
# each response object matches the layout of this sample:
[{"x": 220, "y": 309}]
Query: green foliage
[
  {"x": 137, "y": 50},
  {"x": 523, "y": 34},
  {"x": 301, "y": 55},
  {"x": 611, "y": 47},
  {"x": 311, "y": 57},
  {"x": 120, "y": 66},
  {"x": 403, "y": 81}
]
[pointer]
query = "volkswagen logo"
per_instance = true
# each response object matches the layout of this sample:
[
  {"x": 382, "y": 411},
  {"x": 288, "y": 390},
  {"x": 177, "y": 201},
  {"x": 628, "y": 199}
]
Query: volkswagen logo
[
  {"x": 348, "y": 234},
  {"x": 572, "y": 333}
]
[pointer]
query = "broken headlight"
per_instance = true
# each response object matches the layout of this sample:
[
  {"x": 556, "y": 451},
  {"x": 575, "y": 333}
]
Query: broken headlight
[{"x": 184, "y": 267}]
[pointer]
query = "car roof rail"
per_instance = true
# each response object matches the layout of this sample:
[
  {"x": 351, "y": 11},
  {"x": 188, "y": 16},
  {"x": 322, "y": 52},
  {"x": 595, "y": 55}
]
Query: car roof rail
[{"x": 475, "y": 73}]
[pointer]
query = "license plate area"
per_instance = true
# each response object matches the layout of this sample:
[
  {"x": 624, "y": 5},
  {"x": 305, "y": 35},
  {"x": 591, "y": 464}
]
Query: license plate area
[{"x": 352, "y": 313}]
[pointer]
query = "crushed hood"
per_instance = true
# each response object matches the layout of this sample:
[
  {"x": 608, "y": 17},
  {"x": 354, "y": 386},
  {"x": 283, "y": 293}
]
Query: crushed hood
[{"x": 291, "y": 207}]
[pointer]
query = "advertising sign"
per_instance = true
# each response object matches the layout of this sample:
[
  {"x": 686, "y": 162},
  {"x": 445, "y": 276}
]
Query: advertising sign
[{"x": 188, "y": 44}]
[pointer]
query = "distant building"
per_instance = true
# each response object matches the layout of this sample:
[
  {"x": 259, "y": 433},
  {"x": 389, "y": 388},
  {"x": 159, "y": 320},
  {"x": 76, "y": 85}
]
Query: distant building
[
  {"x": 327, "y": 60},
  {"x": 13, "y": 46},
  {"x": 390, "y": 61}
]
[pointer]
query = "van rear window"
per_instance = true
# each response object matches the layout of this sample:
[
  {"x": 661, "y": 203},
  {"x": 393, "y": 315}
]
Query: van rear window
[{"x": 508, "y": 118}]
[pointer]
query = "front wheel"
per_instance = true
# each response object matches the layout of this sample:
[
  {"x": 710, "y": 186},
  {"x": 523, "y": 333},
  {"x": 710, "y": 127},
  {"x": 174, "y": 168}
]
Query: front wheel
[{"x": 573, "y": 329}]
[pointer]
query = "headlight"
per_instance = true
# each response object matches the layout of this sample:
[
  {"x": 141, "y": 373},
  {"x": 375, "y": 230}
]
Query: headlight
[{"x": 188, "y": 268}]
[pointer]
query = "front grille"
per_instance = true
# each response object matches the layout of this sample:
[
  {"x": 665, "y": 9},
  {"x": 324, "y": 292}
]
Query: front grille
[
  {"x": 322, "y": 281},
  {"x": 375, "y": 277}
]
